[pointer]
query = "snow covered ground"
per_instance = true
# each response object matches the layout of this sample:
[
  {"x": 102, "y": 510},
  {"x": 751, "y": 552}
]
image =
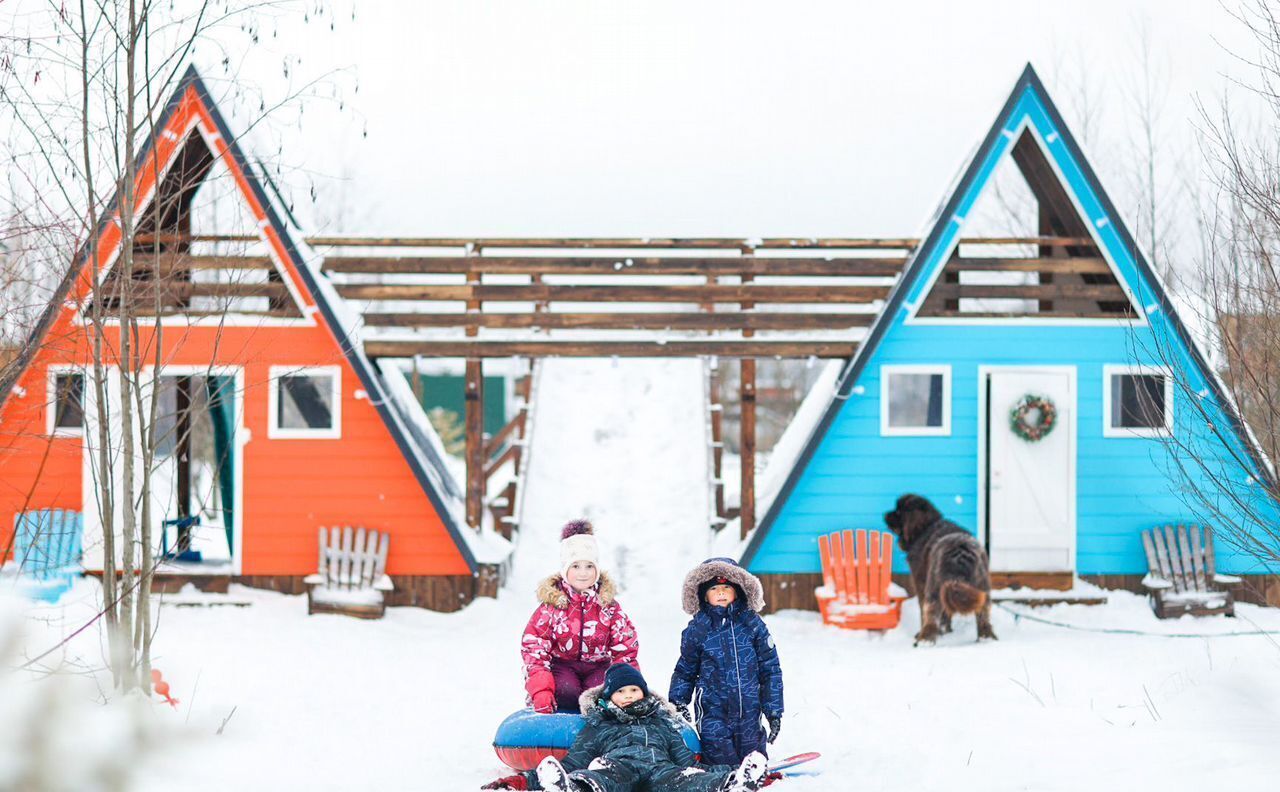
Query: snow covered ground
[{"x": 411, "y": 702}]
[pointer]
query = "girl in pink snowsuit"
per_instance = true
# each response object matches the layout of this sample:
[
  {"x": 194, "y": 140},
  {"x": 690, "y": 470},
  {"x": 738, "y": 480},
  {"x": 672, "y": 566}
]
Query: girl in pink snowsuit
[{"x": 578, "y": 630}]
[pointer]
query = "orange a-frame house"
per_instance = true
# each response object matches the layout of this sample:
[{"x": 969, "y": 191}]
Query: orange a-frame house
[{"x": 366, "y": 460}]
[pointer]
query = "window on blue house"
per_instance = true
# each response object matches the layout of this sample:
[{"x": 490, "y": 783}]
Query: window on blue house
[
  {"x": 1138, "y": 401},
  {"x": 915, "y": 400}
]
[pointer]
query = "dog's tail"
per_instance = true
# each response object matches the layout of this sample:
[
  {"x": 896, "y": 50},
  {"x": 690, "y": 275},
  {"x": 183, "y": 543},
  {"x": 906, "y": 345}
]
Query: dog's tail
[{"x": 960, "y": 597}]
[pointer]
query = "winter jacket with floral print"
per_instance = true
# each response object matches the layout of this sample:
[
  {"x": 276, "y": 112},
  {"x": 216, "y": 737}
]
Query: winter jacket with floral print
[{"x": 588, "y": 626}]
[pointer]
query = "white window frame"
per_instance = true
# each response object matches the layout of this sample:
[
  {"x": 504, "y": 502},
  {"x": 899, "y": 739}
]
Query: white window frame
[
  {"x": 1113, "y": 370},
  {"x": 51, "y": 399},
  {"x": 886, "y": 372},
  {"x": 277, "y": 432}
]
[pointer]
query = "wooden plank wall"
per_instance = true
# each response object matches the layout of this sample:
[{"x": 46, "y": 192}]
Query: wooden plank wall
[{"x": 444, "y": 593}]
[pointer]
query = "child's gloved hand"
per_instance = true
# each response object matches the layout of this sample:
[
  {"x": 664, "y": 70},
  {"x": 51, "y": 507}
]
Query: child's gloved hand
[
  {"x": 508, "y": 782},
  {"x": 683, "y": 709},
  {"x": 544, "y": 701},
  {"x": 775, "y": 726},
  {"x": 541, "y": 687}
]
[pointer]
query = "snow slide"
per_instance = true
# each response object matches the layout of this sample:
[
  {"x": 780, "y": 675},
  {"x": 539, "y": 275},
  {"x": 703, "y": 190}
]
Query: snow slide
[{"x": 622, "y": 443}]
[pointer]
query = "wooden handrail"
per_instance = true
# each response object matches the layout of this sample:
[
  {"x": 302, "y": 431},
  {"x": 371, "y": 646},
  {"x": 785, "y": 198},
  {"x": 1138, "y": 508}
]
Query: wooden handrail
[
  {"x": 746, "y": 293},
  {"x": 640, "y": 243},
  {"x": 474, "y": 349},
  {"x": 688, "y": 320},
  {"x": 512, "y": 452},
  {"x": 497, "y": 441},
  {"x": 844, "y": 266}
]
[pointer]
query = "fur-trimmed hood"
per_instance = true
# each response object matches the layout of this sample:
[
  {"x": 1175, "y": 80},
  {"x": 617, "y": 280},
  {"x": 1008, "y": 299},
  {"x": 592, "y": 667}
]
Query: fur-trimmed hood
[
  {"x": 590, "y": 700},
  {"x": 725, "y": 568},
  {"x": 551, "y": 592}
]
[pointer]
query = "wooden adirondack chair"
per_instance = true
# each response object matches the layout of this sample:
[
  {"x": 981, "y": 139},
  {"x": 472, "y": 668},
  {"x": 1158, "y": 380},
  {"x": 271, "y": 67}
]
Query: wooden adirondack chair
[
  {"x": 353, "y": 574},
  {"x": 858, "y": 592},
  {"x": 1181, "y": 576},
  {"x": 46, "y": 552}
]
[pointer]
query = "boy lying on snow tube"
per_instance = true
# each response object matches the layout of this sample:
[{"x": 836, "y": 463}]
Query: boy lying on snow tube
[
  {"x": 526, "y": 737},
  {"x": 632, "y": 740}
]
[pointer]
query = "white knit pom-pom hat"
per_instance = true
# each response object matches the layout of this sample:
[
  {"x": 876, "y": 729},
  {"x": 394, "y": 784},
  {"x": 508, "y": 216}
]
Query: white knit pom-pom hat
[{"x": 577, "y": 543}]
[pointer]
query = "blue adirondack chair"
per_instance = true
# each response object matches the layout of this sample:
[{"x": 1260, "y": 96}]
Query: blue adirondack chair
[{"x": 46, "y": 549}]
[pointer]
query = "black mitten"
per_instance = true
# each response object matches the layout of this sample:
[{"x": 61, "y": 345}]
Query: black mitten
[{"x": 775, "y": 726}]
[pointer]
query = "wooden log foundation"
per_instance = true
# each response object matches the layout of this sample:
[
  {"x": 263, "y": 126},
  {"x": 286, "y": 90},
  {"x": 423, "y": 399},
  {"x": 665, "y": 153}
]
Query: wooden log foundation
[{"x": 794, "y": 591}]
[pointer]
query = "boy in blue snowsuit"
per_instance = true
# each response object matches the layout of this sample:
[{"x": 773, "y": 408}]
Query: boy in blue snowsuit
[{"x": 727, "y": 656}]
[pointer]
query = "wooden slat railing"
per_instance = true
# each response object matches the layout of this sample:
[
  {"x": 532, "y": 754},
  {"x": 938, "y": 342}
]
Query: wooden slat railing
[
  {"x": 756, "y": 293},
  {"x": 651, "y": 243},
  {"x": 626, "y": 321},
  {"x": 614, "y": 265},
  {"x": 753, "y": 348}
]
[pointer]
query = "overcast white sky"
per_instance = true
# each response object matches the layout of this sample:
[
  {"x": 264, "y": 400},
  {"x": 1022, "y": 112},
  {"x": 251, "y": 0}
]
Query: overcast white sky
[{"x": 584, "y": 117}]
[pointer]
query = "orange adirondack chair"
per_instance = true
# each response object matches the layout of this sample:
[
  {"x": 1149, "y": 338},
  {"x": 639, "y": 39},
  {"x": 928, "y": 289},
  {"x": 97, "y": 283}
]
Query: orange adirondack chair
[{"x": 858, "y": 592}]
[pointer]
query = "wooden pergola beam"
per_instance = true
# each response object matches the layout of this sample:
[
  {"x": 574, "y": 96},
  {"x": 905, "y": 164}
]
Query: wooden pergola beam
[
  {"x": 756, "y": 293},
  {"x": 638, "y": 243},
  {"x": 1092, "y": 266},
  {"x": 725, "y": 321},
  {"x": 747, "y": 447},
  {"x": 885, "y": 267},
  {"x": 474, "y": 422},
  {"x": 1055, "y": 314},
  {"x": 143, "y": 293},
  {"x": 464, "y": 348},
  {"x": 183, "y": 262},
  {"x": 1051, "y": 291},
  {"x": 183, "y": 312}
]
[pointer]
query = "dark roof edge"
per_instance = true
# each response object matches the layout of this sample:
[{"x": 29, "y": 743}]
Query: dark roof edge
[{"x": 368, "y": 378}]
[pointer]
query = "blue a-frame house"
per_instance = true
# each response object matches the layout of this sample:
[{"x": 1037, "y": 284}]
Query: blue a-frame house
[{"x": 925, "y": 405}]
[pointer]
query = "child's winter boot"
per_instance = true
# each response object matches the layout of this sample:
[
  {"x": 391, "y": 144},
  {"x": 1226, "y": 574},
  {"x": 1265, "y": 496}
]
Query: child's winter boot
[
  {"x": 552, "y": 776},
  {"x": 749, "y": 774}
]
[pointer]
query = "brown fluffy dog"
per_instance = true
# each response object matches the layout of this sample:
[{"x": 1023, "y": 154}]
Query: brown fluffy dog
[{"x": 948, "y": 567}]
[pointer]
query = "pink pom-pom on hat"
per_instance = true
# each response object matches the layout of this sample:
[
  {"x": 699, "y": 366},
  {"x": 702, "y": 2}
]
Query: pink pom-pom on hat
[
  {"x": 577, "y": 543},
  {"x": 576, "y": 528}
]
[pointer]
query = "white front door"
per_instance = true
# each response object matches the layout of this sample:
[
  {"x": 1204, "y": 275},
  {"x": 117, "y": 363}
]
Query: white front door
[{"x": 1031, "y": 487}]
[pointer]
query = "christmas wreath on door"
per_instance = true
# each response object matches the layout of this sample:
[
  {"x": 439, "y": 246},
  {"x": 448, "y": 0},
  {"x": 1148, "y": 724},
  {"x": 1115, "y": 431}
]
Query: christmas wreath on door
[{"x": 1033, "y": 417}]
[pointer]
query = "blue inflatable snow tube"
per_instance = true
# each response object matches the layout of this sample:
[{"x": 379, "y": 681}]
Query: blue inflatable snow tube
[{"x": 526, "y": 737}]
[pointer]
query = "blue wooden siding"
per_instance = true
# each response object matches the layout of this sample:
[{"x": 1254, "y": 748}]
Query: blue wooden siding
[{"x": 1123, "y": 484}]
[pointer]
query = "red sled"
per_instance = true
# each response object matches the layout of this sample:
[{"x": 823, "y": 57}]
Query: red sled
[{"x": 791, "y": 761}]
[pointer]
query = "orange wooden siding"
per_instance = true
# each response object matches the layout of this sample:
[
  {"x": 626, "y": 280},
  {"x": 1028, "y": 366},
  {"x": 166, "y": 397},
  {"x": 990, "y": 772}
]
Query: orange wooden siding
[{"x": 290, "y": 486}]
